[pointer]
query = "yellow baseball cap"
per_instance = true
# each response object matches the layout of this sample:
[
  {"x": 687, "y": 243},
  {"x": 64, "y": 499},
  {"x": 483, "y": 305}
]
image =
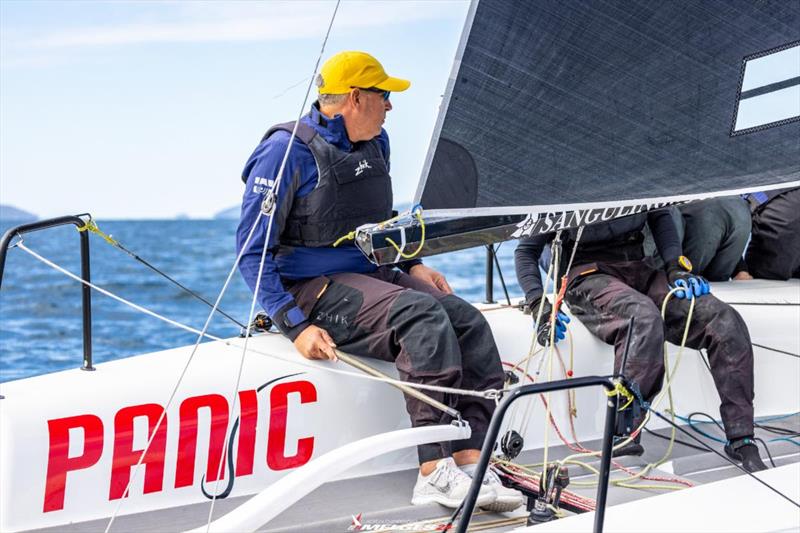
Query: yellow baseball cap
[{"x": 346, "y": 70}]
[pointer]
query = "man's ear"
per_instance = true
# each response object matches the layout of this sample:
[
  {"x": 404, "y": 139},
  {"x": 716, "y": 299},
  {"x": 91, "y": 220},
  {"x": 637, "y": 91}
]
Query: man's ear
[{"x": 355, "y": 97}]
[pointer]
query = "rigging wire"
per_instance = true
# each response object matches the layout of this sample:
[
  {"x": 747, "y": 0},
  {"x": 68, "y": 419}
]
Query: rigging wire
[
  {"x": 492, "y": 251},
  {"x": 727, "y": 459},
  {"x": 677, "y": 441},
  {"x": 775, "y": 350},
  {"x": 178, "y": 382},
  {"x": 268, "y": 202},
  {"x": 268, "y": 206},
  {"x": 92, "y": 227}
]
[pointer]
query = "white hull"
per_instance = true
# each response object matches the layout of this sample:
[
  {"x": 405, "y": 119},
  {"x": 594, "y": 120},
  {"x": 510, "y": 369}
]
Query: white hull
[{"x": 323, "y": 411}]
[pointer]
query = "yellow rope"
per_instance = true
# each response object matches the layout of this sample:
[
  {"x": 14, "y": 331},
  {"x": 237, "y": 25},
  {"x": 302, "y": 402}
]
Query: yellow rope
[
  {"x": 421, "y": 241},
  {"x": 349, "y": 237},
  {"x": 90, "y": 225},
  {"x": 665, "y": 390},
  {"x": 620, "y": 390},
  {"x": 417, "y": 213}
]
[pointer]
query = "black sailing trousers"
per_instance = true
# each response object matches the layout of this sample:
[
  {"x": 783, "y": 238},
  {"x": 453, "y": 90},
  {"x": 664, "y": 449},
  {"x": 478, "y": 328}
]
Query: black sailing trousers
[
  {"x": 432, "y": 337},
  {"x": 605, "y": 299},
  {"x": 774, "y": 251}
]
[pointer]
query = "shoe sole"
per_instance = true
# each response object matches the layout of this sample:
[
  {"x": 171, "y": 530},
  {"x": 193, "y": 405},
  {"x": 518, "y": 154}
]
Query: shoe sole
[
  {"x": 441, "y": 499},
  {"x": 500, "y": 506}
]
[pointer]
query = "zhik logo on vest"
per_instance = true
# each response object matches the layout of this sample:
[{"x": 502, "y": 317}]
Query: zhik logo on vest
[{"x": 362, "y": 166}]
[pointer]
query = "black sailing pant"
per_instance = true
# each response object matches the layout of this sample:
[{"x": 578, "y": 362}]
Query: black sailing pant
[
  {"x": 774, "y": 251},
  {"x": 432, "y": 338},
  {"x": 605, "y": 299}
]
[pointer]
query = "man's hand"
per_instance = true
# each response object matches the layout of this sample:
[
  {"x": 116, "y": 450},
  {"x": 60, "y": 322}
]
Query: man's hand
[
  {"x": 431, "y": 277},
  {"x": 543, "y": 331},
  {"x": 743, "y": 275},
  {"x": 679, "y": 275},
  {"x": 315, "y": 343}
]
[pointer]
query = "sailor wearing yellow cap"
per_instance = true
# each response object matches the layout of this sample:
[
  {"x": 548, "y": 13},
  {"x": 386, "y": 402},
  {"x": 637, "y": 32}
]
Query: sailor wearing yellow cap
[{"x": 321, "y": 296}]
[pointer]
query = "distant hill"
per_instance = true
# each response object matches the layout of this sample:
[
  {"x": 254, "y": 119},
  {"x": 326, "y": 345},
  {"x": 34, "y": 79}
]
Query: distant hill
[
  {"x": 14, "y": 214},
  {"x": 231, "y": 212}
]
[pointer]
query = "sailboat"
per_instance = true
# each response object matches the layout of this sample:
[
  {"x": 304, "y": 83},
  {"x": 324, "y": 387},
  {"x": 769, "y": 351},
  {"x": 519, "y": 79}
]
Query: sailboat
[{"x": 556, "y": 115}]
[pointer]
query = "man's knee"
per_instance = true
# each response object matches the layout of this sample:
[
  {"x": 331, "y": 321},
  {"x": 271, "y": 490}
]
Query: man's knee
[
  {"x": 647, "y": 333},
  {"x": 412, "y": 304},
  {"x": 462, "y": 313},
  {"x": 423, "y": 331},
  {"x": 722, "y": 323}
]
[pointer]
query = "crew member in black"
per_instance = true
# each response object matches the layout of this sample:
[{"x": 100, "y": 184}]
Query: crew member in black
[
  {"x": 774, "y": 249},
  {"x": 611, "y": 280},
  {"x": 714, "y": 233}
]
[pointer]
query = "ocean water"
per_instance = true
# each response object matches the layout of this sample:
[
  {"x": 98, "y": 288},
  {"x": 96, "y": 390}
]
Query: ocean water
[{"x": 40, "y": 308}]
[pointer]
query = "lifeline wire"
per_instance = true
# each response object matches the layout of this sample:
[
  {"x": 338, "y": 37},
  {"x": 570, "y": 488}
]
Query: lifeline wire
[
  {"x": 489, "y": 394},
  {"x": 91, "y": 226}
]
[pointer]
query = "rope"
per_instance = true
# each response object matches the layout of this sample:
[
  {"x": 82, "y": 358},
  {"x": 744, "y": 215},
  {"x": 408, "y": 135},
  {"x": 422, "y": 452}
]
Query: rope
[
  {"x": 92, "y": 227},
  {"x": 576, "y": 446},
  {"x": 489, "y": 394},
  {"x": 620, "y": 390},
  {"x": 415, "y": 211},
  {"x": 775, "y": 350}
]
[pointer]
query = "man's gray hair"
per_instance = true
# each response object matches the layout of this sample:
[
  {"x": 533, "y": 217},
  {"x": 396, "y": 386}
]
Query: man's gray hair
[{"x": 331, "y": 99}]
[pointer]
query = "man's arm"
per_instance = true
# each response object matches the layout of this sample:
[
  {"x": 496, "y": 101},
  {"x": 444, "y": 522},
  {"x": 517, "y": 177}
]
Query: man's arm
[
  {"x": 671, "y": 249},
  {"x": 665, "y": 234},
  {"x": 526, "y": 262},
  {"x": 261, "y": 170}
]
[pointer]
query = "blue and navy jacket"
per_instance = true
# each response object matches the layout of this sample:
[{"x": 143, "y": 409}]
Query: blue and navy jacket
[{"x": 300, "y": 177}]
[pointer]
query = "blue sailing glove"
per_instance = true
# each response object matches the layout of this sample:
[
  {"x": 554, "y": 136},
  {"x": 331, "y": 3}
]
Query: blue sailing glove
[
  {"x": 679, "y": 274},
  {"x": 543, "y": 329}
]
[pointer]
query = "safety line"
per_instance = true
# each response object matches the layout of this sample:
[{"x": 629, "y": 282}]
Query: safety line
[
  {"x": 489, "y": 394},
  {"x": 92, "y": 227}
]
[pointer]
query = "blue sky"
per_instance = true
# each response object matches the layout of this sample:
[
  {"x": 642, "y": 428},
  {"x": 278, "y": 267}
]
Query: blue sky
[{"x": 150, "y": 109}]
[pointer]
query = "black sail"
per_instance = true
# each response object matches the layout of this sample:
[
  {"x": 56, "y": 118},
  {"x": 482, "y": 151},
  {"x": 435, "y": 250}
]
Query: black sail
[
  {"x": 577, "y": 103},
  {"x": 559, "y": 114}
]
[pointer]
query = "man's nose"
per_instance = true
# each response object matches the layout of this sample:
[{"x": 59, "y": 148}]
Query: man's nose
[{"x": 387, "y": 105}]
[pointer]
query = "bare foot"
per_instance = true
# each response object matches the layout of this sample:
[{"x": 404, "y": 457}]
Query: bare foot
[{"x": 742, "y": 276}]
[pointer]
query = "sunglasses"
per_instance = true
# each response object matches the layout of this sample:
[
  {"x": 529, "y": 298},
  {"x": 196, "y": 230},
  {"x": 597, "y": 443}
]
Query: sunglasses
[{"x": 385, "y": 94}]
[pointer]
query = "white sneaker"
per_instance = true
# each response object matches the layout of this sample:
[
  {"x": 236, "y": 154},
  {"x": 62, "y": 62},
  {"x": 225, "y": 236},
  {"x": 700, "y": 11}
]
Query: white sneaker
[
  {"x": 506, "y": 499},
  {"x": 448, "y": 485}
]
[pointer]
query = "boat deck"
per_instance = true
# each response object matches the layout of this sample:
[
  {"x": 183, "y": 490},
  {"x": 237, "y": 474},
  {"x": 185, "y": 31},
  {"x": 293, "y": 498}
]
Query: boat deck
[{"x": 384, "y": 499}]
